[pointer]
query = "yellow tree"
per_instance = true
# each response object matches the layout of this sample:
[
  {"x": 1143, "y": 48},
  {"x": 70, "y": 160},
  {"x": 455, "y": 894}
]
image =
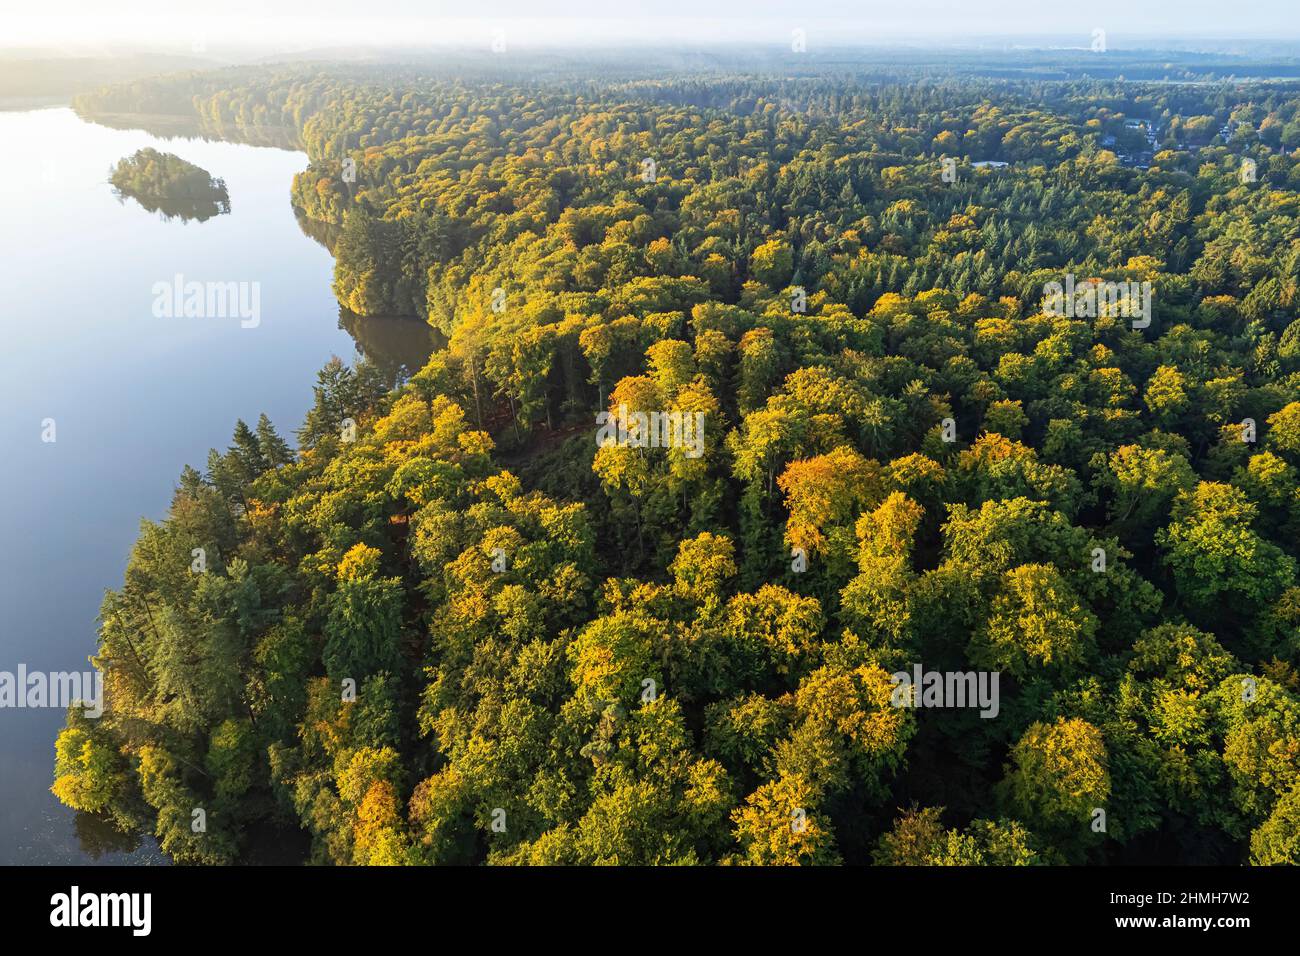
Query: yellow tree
[{"x": 824, "y": 495}]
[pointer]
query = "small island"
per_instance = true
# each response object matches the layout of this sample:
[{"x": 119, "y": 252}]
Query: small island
[{"x": 167, "y": 184}]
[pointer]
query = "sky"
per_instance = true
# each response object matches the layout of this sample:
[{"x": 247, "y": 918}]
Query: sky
[{"x": 180, "y": 25}]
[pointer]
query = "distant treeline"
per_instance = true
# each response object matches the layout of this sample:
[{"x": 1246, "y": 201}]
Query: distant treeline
[{"x": 47, "y": 77}]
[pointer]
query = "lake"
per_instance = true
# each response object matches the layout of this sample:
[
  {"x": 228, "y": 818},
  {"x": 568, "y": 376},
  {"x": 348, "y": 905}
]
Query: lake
[{"x": 130, "y": 398}]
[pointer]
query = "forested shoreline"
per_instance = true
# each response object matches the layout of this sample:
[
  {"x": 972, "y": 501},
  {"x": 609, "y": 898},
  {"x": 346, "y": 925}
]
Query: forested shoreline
[{"x": 450, "y": 628}]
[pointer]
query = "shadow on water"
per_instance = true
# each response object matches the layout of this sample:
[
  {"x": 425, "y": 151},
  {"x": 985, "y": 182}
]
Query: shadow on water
[
  {"x": 399, "y": 346},
  {"x": 98, "y": 836},
  {"x": 265, "y": 843},
  {"x": 325, "y": 233},
  {"x": 187, "y": 210},
  {"x": 172, "y": 126}
]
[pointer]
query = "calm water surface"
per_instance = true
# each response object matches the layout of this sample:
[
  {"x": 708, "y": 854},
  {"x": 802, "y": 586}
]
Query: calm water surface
[{"x": 134, "y": 398}]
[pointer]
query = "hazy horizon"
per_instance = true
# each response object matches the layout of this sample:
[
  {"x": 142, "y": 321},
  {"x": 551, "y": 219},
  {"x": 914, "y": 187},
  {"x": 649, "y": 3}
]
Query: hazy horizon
[{"x": 82, "y": 26}]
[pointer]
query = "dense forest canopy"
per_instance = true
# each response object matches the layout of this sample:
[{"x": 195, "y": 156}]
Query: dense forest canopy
[{"x": 451, "y": 627}]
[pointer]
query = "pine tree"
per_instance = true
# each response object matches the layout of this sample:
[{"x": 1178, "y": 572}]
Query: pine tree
[{"x": 275, "y": 450}]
